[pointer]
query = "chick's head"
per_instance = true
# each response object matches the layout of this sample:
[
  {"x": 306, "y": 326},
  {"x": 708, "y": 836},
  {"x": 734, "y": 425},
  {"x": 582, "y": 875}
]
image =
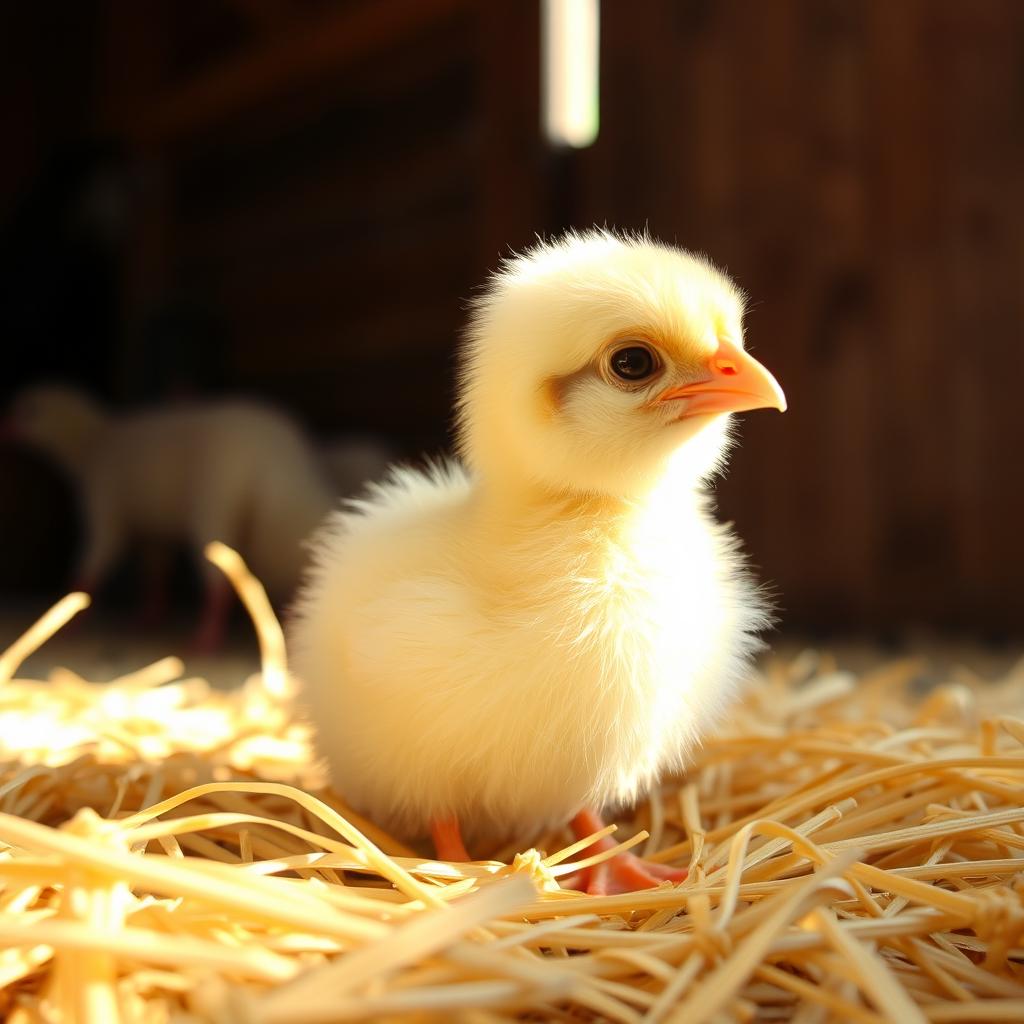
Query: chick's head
[{"x": 597, "y": 363}]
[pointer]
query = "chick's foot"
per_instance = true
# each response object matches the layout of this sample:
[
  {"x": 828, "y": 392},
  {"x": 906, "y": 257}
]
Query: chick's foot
[
  {"x": 623, "y": 873},
  {"x": 626, "y": 873},
  {"x": 447, "y": 838}
]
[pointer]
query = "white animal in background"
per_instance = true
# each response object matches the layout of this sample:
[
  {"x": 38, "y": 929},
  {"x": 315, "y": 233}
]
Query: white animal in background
[
  {"x": 231, "y": 471},
  {"x": 541, "y": 631}
]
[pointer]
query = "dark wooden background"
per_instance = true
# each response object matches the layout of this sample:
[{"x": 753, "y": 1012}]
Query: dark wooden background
[{"x": 313, "y": 189}]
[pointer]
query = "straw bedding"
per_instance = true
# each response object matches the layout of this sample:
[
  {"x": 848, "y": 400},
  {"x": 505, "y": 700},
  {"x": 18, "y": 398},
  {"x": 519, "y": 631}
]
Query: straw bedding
[{"x": 167, "y": 853}]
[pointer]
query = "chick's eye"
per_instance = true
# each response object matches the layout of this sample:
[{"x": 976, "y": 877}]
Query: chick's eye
[{"x": 634, "y": 362}]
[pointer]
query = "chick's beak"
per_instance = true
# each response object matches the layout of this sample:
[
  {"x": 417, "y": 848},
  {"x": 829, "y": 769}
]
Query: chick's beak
[{"x": 736, "y": 382}]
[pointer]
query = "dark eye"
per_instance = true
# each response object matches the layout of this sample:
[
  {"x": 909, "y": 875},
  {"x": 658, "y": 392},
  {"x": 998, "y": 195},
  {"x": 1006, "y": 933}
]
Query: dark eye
[{"x": 634, "y": 362}]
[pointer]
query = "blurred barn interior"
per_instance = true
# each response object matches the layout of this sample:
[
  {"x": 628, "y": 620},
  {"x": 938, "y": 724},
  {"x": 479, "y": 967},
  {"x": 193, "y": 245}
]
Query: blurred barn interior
[{"x": 293, "y": 201}]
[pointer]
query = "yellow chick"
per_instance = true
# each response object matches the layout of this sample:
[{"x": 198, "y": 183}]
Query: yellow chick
[{"x": 537, "y": 632}]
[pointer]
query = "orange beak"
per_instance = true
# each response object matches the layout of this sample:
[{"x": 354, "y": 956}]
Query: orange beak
[{"x": 736, "y": 382}]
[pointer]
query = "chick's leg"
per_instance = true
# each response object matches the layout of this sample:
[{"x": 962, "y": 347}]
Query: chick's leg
[
  {"x": 447, "y": 838},
  {"x": 624, "y": 873}
]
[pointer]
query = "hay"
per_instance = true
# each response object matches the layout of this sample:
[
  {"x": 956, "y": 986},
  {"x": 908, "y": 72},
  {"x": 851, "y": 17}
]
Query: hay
[{"x": 855, "y": 854}]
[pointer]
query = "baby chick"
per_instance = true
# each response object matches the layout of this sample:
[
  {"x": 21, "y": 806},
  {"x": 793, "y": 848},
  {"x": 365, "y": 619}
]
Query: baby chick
[
  {"x": 231, "y": 471},
  {"x": 543, "y": 629}
]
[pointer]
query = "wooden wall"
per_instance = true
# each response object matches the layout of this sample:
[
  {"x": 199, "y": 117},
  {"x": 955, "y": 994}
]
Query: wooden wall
[
  {"x": 335, "y": 185},
  {"x": 332, "y": 179},
  {"x": 859, "y": 167}
]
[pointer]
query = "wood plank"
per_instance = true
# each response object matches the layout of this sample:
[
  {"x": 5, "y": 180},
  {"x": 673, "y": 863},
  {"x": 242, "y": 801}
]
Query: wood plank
[
  {"x": 704, "y": 93},
  {"x": 912, "y": 439},
  {"x": 347, "y": 395},
  {"x": 247, "y": 79},
  {"x": 770, "y": 491},
  {"x": 348, "y": 297},
  {"x": 511, "y": 161},
  {"x": 321, "y": 199},
  {"x": 982, "y": 275},
  {"x": 842, "y": 349}
]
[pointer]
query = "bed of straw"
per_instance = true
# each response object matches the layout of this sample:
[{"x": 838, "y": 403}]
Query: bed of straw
[{"x": 168, "y": 853}]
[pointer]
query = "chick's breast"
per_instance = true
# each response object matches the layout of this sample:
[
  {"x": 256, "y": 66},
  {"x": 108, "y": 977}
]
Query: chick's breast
[{"x": 511, "y": 681}]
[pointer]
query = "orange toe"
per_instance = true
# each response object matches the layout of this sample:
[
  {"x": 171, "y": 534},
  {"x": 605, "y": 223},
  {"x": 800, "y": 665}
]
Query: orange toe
[
  {"x": 628, "y": 873},
  {"x": 624, "y": 872}
]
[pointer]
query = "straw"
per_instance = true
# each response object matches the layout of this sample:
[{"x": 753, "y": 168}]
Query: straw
[{"x": 169, "y": 852}]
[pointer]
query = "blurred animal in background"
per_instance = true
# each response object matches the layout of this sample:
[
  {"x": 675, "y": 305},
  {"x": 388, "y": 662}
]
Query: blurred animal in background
[
  {"x": 232, "y": 471},
  {"x": 544, "y": 630}
]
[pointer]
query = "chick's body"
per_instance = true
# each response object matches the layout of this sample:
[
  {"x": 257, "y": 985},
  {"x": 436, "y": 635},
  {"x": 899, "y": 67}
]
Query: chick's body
[
  {"x": 509, "y": 665},
  {"x": 552, "y": 623}
]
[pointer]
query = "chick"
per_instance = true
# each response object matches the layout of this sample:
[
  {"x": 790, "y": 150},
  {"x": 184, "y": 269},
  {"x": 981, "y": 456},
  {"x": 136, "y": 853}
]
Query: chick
[
  {"x": 542, "y": 629},
  {"x": 231, "y": 471}
]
